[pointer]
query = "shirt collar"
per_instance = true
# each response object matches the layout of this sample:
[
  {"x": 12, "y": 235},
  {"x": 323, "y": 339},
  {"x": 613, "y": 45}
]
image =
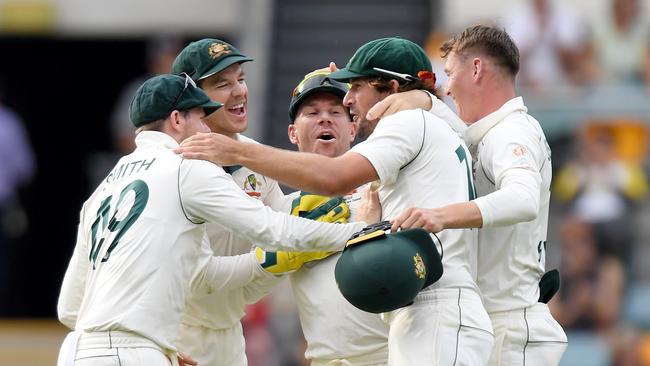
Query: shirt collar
[
  {"x": 478, "y": 129},
  {"x": 155, "y": 138}
]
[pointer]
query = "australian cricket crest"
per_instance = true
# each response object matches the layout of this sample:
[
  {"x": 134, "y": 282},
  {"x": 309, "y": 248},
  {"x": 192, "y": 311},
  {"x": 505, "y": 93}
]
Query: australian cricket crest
[
  {"x": 217, "y": 50},
  {"x": 252, "y": 185},
  {"x": 420, "y": 268}
]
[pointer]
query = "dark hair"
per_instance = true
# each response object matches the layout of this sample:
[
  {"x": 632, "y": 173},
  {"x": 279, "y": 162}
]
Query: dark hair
[
  {"x": 158, "y": 125},
  {"x": 490, "y": 40},
  {"x": 382, "y": 85}
]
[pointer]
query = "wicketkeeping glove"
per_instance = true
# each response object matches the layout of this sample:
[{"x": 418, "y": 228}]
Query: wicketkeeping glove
[
  {"x": 286, "y": 262},
  {"x": 313, "y": 207},
  {"x": 320, "y": 208}
]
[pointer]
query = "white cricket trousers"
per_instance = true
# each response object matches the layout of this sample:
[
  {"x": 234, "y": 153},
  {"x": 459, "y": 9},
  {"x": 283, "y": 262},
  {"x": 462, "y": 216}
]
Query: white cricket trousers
[
  {"x": 527, "y": 337},
  {"x": 366, "y": 360},
  {"x": 116, "y": 348},
  {"x": 443, "y": 327},
  {"x": 213, "y": 347}
]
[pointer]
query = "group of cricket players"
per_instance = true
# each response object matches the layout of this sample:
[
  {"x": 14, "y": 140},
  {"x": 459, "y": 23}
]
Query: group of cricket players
[{"x": 192, "y": 226}]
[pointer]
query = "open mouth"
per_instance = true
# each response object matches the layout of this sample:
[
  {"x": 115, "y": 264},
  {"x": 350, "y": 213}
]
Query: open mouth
[
  {"x": 326, "y": 136},
  {"x": 237, "y": 110}
]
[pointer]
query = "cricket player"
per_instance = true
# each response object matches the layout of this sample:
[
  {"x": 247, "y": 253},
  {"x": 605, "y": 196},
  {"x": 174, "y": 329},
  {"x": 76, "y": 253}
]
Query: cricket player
[
  {"x": 419, "y": 161},
  {"x": 141, "y": 236},
  {"x": 513, "y": 177},
  {"x": 211, "y": 330},
  {"x": 336, "y": 332}
]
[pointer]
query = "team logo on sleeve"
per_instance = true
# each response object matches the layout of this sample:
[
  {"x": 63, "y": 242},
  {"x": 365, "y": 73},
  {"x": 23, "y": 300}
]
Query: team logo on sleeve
[
  {"x": 251, "y": 185},
  {"x": 519, "y": 151},
  {"x": 420, "y": 268},
  {"x": 520, "y": 155}
]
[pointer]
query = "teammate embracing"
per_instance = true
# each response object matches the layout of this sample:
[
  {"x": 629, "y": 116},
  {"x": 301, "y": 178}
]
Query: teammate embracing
[
  {"x": 420, "y": 161},
  {"x": 513, "y": 177},
  {"x": 141, "y": 235}
]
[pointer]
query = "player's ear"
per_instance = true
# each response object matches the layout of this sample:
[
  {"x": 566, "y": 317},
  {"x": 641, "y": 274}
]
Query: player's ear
[
  {"x": 175, "y": 119},
  {"x": 353, "y": 130},
  {"x": 477, "y": 64},
  {"x": 394, "y": 86},
  {"x": 293, "y": 135}
]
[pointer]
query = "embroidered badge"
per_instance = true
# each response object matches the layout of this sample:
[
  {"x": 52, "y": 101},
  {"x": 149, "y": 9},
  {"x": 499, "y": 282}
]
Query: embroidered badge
[
  {"x": 217, "y": 50},
  {"x": 519, "y": 151},
  {"x": 250, "y": 186},
  {"x": 420, "y": 268},
  {"x": 252, "y": 180}
]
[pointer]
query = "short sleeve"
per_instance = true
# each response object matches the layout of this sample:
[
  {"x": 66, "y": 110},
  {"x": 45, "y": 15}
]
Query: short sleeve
[{"x": 395, "y": 142}]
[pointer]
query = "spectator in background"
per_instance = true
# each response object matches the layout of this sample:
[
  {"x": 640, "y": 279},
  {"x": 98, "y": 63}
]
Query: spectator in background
[
  {"x": 17, "y": 167},
  {"x": 590, "y": 300},
  {"x": 620, "y": 45},
  {"x": 600, "y": 190},
  {"x": 160, "y": 53},
  {"x": 592, "y": 285},
  {"x": 551, "y": 42}
]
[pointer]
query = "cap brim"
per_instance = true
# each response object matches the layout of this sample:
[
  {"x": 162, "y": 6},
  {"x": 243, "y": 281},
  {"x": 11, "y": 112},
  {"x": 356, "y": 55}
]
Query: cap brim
[
  {"x": 225, "y": 62},
  {"x": 296, "y": 102},
  {"x": 210, "y": 107},
  {"x": 320, "y": 89},
  {"x": 345, "y": 75}
]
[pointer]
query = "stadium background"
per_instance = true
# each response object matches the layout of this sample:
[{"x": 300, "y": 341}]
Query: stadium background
[{"x": 64, "y": 63}]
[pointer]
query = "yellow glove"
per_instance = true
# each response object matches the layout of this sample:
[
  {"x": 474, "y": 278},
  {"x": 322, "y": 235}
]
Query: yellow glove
[
  {"x": 313, "y": 207},
  {"x": 286, "y": 262},
  {"x": 321, "y": 208}
]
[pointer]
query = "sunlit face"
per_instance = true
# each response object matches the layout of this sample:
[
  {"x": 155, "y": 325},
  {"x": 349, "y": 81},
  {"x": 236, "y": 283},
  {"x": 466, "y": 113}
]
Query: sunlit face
[
  {"x": 194, "y": 122},
  {"x": 322, "y": 126},
  {"x": 228, "y": 87},
  {"x": 361, "y": 97},
  {"x": 459, "y": 86}
]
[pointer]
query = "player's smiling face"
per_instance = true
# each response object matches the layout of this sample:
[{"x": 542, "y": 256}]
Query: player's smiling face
[
  {"x": 322, "y": 126},
  {"x": 459, "y": 71},
  {"x": 228, "y": 87},
  {"x": 361, "y": 97}
]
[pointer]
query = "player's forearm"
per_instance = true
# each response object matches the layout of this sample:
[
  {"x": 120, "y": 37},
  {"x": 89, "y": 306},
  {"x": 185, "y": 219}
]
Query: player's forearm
[
  {"x": 261, "y": 286},
  {"x": 461, "y": 215},
  {"x": 225, "y": 273},
  {"x": 209, "y": 195},
  {"x": 304, "y": 171},
  {"x": 72, "y": 291},
  {"x": 516, "y": 201}
]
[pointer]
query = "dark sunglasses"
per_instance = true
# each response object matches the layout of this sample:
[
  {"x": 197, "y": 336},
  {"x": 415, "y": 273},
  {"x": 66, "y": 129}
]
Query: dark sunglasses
[{"x": 316, "y": 80}]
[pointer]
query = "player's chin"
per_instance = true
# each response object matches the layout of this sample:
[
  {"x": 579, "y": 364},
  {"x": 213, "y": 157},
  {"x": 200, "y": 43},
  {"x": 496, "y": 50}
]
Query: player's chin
[
  {"x": 238, "y": 124},
  {"x": 325, "y": 150}
]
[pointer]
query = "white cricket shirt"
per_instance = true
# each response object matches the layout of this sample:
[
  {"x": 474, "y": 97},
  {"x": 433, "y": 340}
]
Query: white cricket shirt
[
  {"x": 513, "y": 178},
  {"x": 422, "y": 162},
  {"x": 141, "y": 234},
  {"x": 223, "y": 307}
]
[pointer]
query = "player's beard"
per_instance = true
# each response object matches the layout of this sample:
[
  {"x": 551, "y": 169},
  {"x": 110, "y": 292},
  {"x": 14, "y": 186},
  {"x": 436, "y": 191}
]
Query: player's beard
[{"x": 365, "y": 128}]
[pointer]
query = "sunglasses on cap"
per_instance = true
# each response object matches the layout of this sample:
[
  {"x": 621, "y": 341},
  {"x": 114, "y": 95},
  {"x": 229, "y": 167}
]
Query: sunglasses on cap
[
  {"x": 188, "y": 82},
  {"x": 318, "y": 79}
]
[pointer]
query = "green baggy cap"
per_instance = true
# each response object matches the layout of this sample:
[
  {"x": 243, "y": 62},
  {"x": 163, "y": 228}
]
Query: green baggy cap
[
  {"x": 207, "y": 57},
  {"x": 393, "y": 54},
  {"x": 157, "y": 97},
  {"x": 387, "y": 271}
]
